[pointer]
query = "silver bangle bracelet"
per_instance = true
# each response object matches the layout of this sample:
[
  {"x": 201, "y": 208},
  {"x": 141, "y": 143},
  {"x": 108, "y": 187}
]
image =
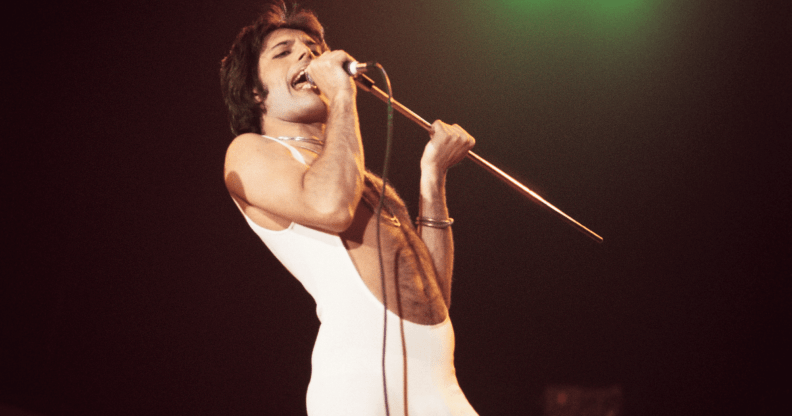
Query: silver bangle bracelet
[{"x": 434, "y": 223}]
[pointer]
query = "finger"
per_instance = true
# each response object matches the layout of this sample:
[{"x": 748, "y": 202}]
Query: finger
[{"x": 438, "y": 127}]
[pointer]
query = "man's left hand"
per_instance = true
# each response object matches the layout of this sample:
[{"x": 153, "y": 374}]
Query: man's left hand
[{"x": 449, "y": 144}]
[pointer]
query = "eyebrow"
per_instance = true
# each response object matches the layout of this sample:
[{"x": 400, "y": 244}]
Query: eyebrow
[
  {"x": 309, "y": 41},
  {"x": 285, "y": 42}
]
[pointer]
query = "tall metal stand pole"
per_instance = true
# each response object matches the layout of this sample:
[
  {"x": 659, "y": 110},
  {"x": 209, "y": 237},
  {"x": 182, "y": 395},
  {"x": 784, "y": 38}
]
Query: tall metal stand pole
[{"x": 368, "y": 85}]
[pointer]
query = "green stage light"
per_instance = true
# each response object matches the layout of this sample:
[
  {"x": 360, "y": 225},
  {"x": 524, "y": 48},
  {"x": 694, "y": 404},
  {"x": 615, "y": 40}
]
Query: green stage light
[
  {"x": 591, "y": 18},
  {"x": 600, "y": 10},
  {"x": 601, "y": 6}
]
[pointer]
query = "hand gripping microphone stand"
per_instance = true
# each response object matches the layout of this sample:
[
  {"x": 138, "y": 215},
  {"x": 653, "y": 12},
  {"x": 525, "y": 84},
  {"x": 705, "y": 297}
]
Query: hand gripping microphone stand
[{"x": 367, "y": 84}]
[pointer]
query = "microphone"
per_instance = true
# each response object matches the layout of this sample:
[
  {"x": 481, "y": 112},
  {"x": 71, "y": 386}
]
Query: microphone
[{"x": 353, "y": 68}]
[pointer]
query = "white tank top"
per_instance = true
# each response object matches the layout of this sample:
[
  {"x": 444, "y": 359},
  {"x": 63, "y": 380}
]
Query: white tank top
[{"x": 346, "y": 377}]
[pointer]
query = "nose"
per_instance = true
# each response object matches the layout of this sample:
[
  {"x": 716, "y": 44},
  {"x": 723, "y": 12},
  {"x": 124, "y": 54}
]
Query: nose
[{"x": 306, "y": 52}]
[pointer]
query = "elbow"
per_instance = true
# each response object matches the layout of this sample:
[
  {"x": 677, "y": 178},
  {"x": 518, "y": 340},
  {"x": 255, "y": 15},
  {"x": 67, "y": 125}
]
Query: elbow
[
  {"x": 336, "y": 219},
  {"x": 340, "y": 223},
  {"x": 334, "y": 211}
]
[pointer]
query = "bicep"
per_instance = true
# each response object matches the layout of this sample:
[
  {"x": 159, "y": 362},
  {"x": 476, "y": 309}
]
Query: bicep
[{"x": 267, "y": 177}]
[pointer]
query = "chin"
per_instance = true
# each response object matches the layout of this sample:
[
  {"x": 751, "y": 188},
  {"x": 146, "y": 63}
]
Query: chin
[
  {"x": 304, "y": 110},
  {"x": 316, "y": 113}
]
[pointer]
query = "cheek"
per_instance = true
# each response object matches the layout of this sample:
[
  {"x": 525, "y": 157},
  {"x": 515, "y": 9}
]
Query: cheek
[{"x": 277, "y": 94}]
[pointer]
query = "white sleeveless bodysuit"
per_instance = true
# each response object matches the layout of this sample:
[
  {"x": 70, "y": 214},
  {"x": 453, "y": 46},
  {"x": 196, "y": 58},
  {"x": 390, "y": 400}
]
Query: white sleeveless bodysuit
[{"x": 346, "y": 377}]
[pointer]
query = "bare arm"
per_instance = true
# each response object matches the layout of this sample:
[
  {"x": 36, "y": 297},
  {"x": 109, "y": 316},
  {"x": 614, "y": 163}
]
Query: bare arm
[
  {"x": 448, "y": 145},
  {"x": 323, "y": 193}
]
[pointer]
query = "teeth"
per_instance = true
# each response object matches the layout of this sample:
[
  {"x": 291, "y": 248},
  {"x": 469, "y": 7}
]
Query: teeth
[
  {"x": 299, "y": 78},
  {"x": 302, "y": 81}
]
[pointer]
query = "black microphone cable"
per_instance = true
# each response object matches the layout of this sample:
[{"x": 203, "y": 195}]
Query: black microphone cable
[
  {"x": 378, "y": 213},
  {"x": 353, "y": 69}
]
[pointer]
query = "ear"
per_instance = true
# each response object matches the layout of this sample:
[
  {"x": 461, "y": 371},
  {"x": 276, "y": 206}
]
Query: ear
[{"x": 257, "y": 96}]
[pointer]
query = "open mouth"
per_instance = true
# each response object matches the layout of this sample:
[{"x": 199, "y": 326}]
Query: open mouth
[{"x": 301, "y": 82}]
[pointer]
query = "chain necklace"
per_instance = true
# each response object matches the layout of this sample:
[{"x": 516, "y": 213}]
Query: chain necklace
[{"x": 300, "y": 139}]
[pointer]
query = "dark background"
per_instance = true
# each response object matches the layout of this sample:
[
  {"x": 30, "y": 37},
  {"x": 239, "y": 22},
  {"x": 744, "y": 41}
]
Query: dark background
[{"x": 132, "y": 286}]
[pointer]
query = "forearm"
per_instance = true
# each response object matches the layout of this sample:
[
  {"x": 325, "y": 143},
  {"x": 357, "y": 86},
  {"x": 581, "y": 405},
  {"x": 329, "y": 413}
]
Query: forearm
[
  {"x": 335, "y": 179},
  {"x": 439, "y": 241}
]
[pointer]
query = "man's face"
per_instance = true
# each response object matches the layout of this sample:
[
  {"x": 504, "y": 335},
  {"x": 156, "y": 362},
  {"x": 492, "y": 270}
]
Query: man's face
[{"x": 291, "y": 98}]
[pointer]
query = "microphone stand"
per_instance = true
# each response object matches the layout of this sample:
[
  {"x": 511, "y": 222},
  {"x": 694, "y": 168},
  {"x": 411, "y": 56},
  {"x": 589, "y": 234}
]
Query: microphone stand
[{"x": 367, "y": 85}]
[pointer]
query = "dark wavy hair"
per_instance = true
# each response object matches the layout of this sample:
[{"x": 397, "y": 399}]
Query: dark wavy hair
[{"x": 239, "y": 69}]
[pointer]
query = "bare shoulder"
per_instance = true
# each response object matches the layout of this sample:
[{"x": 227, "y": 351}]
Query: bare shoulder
[
  {"x": 245, "y": 146},
  {"x": 261, "y": 171},
  {"x": 253, "y": 154},
  {"x": 258, "y": 173}
]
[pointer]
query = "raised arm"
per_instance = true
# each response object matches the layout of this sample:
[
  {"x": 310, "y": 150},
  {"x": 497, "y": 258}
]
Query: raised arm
[
  {"x": 448, "y": 146},
  {"x": 275, "y": 189}
]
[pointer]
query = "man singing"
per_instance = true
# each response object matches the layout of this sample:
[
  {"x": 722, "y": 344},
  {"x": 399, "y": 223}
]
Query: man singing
[{"x": 297, "y": 174}]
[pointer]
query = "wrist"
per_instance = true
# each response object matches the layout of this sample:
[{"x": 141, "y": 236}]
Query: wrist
[
  {"x": 434, "y": 222},
  {"x": 432, "y": 177},
  {"x": 343, "y": 95},
  {"x": 432, "y": 185},
  {"x": 432, "y": 172}
]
